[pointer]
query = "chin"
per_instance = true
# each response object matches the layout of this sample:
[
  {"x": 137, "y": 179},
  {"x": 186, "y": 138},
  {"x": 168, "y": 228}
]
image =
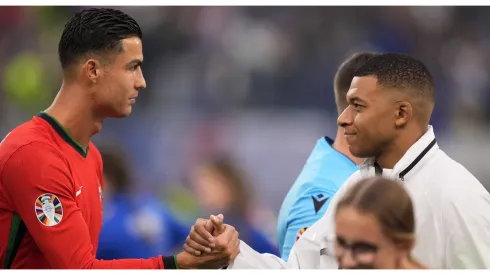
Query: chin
[
  {"x": 124, "y": 113},
  {"x": 359, "y": 152},
  {"x": 120, "y": 114}
]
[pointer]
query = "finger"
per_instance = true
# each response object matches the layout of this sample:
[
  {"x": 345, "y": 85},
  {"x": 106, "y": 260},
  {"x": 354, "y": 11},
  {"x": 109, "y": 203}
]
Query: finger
[
  {"x": 197, "y": 238},
  {"x": 196, "y": 246},
  {"x": 203, "y": 232},
  {"x": 191, "y": 250},
  {"x": 217, "y": 222},
  {"x": 236, "y": 249},
  {"x": 210, "y": 228},
  {"x": 224, "y": 239}
]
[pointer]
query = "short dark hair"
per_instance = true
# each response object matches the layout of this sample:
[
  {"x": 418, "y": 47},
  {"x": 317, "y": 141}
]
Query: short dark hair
[
  {"x": 400, "y": 71},
  {"x": 344, "y": 76},
  {"x": 116, "y": 167},
  {"x": 95, "y": 31}
]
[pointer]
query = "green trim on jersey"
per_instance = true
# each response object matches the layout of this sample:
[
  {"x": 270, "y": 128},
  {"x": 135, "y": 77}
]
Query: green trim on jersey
[
  {"x": 64, "y": 134},
  {"x": 17, "y": 231}
]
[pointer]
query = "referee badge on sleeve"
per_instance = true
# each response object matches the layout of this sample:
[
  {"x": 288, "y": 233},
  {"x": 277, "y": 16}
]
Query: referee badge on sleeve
[
  {"x": 300, "y": 232},
  {"x": 49, "y": 210}
]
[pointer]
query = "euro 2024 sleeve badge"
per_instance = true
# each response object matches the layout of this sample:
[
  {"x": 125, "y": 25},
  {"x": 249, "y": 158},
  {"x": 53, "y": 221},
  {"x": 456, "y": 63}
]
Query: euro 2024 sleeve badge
[{"x": 49, "y": 210}]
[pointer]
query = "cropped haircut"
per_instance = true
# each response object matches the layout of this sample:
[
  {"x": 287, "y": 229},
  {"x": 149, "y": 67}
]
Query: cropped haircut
[
  {"x": 95, "y": 31},
  {"x": 401, "y": 72}
]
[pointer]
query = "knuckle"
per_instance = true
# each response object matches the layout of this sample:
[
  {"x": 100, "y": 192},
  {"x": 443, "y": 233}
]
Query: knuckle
[{"x": 228, "y": 253}]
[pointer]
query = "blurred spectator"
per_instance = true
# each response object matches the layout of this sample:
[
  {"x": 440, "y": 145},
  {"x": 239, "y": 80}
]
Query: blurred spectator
[
  {"x": 221, "y": 187},
  {"x": 375, "y": 227},
  {"x": 135, "y": 225}
]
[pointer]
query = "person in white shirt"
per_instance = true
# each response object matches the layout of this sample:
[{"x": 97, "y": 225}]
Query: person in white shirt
[
  {"x": 375, "y": 227},
  {"x": 387, "y": 121}
]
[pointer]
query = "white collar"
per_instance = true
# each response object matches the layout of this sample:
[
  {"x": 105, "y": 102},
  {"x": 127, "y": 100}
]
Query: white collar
[{"x": 415, "y": 155}]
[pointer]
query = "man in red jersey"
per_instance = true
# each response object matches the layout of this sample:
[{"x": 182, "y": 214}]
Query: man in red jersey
[{"x": 51, "y": 177}]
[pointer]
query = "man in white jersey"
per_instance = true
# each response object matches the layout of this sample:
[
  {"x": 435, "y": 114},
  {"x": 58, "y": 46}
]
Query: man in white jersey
[{"x": 387, "y": 121}]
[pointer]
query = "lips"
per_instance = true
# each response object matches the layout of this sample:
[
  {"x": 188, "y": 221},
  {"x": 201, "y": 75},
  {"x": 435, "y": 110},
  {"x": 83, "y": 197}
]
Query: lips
[{"x": 349, "y": 137}]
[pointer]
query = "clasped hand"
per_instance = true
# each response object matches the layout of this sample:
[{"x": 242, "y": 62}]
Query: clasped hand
[{"x": 210, "y": 244}]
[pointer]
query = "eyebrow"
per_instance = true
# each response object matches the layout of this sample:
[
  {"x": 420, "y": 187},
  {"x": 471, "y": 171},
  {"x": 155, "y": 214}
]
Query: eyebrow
[
  {"x": 135, "y": 61},
  {"x": 356, "y": 99}
]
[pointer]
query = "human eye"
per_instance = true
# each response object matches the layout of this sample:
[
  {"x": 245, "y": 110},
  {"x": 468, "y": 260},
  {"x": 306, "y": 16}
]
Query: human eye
[
  {"x": 364, "y": 248},
  {"x": 358, "y": 107}
]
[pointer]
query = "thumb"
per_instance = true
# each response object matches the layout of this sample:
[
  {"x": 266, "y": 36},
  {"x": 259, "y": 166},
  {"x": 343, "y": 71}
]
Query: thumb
[
  {"x": 217, "y": 222},
  {"x": 209, "y": 226}
]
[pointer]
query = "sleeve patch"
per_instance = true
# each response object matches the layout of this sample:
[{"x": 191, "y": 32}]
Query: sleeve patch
[
  {"x": 318, "y": 201},
  {"x": 300, "y": 232},
  {"x": 49, "y": 210}
]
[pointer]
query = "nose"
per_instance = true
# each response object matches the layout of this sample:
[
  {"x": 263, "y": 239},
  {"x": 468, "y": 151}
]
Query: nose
[
  {"x": 140, "y": 82},
  {"x": 345, "y": 118},
  {"x": 347, "y": 261}
]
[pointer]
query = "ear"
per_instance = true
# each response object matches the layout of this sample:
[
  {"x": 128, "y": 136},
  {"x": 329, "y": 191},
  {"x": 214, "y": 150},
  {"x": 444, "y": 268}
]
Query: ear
[
  {"x": 406, "y": 247},
  {"x": 403, "y": 113},
  {"x": 92, "y": 69}
]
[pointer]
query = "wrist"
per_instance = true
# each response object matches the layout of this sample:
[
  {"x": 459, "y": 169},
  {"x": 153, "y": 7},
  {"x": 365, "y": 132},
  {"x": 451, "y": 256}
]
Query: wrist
[
  {"x": 182, "y": 261},
  {"x": 170, "y": 262}
]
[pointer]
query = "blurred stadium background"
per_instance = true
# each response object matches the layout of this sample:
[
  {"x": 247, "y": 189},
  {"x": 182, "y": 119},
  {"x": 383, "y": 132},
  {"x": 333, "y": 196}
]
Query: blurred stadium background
[{"x": 254, "y": 83}]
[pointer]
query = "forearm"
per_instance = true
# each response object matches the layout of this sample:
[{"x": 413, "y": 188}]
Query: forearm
[{"x": 251, "y": 259}]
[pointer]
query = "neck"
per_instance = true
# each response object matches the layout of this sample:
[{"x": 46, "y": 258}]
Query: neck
[
  {"x": 411, "y": 263},
  {"x": 73, "y": 110},
  {"x": 340, "y": 144},
  {"x": 399, "y": 148}
]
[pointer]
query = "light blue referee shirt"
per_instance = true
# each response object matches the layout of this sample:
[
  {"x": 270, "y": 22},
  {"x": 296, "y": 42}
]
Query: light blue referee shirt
[{"x": 324, "y": 172}]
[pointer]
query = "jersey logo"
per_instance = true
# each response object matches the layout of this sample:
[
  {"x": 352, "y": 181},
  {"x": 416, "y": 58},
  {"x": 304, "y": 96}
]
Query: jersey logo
[
  {"x": 49, "y": 210},
  {"x": 318, "y": 202},
  {"x": 300, "y": 232},
  {"x": 79, "y": 191}
]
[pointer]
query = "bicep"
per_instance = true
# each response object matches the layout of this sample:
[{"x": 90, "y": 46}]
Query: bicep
[{"x": 38, "y": 182}]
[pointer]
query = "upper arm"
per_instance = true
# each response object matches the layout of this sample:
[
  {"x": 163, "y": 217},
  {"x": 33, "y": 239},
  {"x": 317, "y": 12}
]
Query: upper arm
[
  {"x": 468, "y": 240},
  {"x": 308, "y": 208},
  {"x": 36, "y": 173}
]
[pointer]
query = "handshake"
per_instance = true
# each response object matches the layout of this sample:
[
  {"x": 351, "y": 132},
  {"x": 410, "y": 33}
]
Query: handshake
[{"x": 210, "y": 245}]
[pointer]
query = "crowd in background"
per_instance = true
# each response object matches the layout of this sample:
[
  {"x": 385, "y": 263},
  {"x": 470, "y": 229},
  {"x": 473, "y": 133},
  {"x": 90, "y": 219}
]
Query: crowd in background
[{"x": 238, "y": 96}]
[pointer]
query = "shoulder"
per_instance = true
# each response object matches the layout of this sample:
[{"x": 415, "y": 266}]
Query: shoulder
[
  {"x": 32, "y": 134},
  {"x": 452, "y": 179},
  {"x": 38, "y": 153},
  {"x": 328, "y": 167},
  {"x": 460, "y": 193},
  {"x": 325, "y": 224}
]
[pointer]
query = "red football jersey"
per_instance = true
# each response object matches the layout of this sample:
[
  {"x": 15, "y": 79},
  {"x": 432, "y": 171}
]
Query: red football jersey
[{"x": 51, "y": 201}]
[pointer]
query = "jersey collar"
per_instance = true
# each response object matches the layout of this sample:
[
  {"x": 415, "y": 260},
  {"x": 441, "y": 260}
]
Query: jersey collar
[
  {"x": 329, "y": 145},
  {"x": 425, "y": 147},
  {"x": 60, "y": 130}
]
